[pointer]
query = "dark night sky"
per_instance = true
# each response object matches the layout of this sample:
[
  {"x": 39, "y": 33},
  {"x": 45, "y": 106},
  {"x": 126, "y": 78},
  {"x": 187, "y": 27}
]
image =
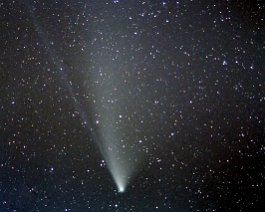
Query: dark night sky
[{"x": 172, "y": 93}]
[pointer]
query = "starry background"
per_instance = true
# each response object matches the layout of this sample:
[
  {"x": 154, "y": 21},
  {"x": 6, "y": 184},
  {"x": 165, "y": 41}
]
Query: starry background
[{"x": 187, "y": 78}]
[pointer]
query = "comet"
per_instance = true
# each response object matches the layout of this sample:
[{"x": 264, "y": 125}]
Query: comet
[{"x": 112, "y": 132}]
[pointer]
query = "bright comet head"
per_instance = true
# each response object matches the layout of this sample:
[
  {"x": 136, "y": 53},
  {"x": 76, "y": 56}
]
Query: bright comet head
[{"x": 121, "y": 189}]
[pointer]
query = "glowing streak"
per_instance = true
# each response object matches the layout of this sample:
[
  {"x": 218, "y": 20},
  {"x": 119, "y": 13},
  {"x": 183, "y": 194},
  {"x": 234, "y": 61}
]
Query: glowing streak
[{"x": 59, "y": 65}]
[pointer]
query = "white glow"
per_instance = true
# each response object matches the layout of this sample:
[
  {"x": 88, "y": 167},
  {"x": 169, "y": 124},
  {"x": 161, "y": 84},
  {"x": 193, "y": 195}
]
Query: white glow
[
  {"x": 118, "y": 147},
  {"x": 120, "y": 185},
  {"x": 120, "y": 171},
  {"x": 121, "y": 189},
  {"x": 115, "y": 123}
]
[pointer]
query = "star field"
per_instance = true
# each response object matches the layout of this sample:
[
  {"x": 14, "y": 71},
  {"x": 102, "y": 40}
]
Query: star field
[{"x": 131, "y": 105}]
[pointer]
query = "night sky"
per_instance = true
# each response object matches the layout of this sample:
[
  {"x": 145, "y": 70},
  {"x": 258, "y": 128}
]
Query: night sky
[{"x": 132, "y": 105}]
